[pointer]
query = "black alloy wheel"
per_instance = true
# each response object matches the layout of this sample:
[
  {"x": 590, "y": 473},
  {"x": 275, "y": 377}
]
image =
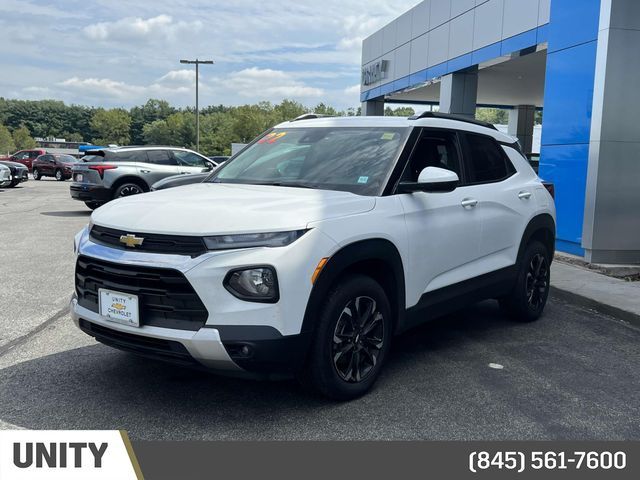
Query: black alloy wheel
[{"x": 358, "y": 339}]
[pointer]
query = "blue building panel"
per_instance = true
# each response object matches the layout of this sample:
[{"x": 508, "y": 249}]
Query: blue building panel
[
  {"x": 568, "y": 95},
  {"x": 573, "y": 22},
  {"x": 519, "y": 42},
  {"x": 459, "y": 63},
  {"x": 566, "y": 167}
]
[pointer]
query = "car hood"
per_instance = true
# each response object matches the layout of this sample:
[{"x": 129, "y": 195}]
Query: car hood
[
  {"x": 17, "y": 165},
  {"x": 215, "y": 208}
]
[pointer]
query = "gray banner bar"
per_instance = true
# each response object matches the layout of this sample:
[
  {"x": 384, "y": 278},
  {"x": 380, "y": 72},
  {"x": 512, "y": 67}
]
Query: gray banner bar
[{"x": 388, "y": 460}]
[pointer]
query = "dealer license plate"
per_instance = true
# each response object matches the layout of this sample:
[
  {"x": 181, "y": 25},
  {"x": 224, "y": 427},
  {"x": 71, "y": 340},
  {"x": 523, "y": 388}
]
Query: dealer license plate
[{"x": 119, "y": 307}]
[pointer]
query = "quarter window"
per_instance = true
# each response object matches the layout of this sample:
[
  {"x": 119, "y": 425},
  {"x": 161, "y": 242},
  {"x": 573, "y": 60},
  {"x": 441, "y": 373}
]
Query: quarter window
[{"x": 487, "y": 162}]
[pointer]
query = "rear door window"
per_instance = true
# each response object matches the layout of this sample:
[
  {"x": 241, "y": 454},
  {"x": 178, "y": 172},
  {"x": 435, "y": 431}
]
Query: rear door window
[
  {"x": 160, "y": 157},
  {"x": 132, "y": 156}
]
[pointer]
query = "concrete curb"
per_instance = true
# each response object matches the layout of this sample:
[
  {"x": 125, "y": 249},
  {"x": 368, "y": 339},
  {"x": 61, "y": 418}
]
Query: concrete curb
[{"x": 599, "y": 307}]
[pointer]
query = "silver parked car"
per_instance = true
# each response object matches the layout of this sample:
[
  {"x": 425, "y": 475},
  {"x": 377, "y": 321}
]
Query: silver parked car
[
  {"x": 111, "y": 173},
  {"x": 5, "y": 176}
]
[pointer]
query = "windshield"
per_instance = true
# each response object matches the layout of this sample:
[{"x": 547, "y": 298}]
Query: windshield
[{"x": 356, "y": 160}]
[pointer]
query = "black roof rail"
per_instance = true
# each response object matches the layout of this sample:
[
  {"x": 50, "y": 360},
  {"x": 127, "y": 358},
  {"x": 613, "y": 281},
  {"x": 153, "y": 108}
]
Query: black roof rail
[
  {"x": 453, "y": 116},
  {"x": 310, "y": 116}
]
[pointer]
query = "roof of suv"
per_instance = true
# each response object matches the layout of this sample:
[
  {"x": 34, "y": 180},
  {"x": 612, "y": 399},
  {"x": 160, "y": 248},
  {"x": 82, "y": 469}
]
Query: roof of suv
[{"x": 398, "y": 122}]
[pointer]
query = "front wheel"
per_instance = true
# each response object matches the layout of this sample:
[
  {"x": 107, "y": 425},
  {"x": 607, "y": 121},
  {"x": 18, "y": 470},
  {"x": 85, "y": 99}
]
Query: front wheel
[
  {"x": 36, "y": 174},
  {"x": 92, "y": 205},
  {"x": 59, "y": 175},
  {"x": 351, "y": 340},
  {"x": 529, "y": 296}
]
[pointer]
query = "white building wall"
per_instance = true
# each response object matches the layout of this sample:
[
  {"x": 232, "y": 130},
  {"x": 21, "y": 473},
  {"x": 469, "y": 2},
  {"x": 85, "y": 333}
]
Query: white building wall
[{"x": 435, "y": 31}]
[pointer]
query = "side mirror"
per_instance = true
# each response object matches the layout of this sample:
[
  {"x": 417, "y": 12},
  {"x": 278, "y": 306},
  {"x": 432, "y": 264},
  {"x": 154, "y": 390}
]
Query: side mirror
[
  {"x": 431, "y": 179},
  {"x": 210, "y": 166}
]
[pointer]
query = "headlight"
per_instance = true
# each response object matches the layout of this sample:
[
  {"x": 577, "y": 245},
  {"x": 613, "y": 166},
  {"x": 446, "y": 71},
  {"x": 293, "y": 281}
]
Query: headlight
[
  {"x": 248, "y": 240},
  {"x": 256, "y": 284}
]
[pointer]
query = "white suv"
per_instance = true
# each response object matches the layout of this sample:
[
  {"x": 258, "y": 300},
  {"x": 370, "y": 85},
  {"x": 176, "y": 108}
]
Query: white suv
[{"x": 309, "y": 250}]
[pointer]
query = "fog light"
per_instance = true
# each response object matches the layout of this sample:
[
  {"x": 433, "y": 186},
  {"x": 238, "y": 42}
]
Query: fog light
[{"x": 257, "y": 284}]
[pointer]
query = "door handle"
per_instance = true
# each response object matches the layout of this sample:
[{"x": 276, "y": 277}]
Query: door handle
[
  {"x": 185, "y": 173},
  {"x": 524, "y": 195},
  {"x": 469, "y": 202},
  {"x": 145, "y": 171}
]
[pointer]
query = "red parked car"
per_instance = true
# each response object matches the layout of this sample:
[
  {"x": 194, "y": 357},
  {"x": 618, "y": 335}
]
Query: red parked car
[
  {"x": 54, "y": 165},
  {"x": 26, "y": 157}
]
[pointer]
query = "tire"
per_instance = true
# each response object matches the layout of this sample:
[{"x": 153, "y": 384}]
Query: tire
[
  {"x": 92, "y": 205},
  {"x": 59, "y": 175},
  {"x": 36, "y": 174},
  {"x": 14, "y": 183},
  {"x": 528, "y": 298},
  {"x": 337, "y": 344},
  {"x": 128, "y": 189}
]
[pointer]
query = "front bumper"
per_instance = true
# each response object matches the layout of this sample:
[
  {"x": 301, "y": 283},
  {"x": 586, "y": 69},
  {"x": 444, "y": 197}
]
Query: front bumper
[
  {"x": 90, "y": 193},
  {"x": 238, "y": 337}
]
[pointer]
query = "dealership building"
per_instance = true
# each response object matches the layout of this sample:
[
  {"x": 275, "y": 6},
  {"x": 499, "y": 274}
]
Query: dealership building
[{"x": 576, "y": 60}]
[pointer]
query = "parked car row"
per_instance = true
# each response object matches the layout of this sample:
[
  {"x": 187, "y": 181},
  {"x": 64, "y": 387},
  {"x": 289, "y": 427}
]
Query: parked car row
[{"x": 25, "y": 157}]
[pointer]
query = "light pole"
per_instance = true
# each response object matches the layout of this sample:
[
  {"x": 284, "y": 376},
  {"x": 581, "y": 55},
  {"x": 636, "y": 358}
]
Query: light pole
[{"x": 197, "y": 63}]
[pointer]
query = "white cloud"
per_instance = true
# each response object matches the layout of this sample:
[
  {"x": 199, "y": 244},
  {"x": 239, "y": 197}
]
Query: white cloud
[
  {"x": 271, "y": 83},
  {"x": 138, "y": 29},
  {"x": 179, "y": 77},
  {"x": 353, "y": 90}
]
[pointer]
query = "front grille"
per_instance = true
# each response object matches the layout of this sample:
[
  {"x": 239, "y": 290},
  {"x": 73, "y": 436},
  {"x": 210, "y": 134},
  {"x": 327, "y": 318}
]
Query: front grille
[
  {"x": 165, "y": 297},
  {"x": 151, "y": 347},
  {"x": 152, "y": 243}
]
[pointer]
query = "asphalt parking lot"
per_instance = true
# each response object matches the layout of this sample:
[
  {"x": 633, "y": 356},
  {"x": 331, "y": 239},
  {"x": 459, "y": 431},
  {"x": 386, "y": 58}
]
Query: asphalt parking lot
[{"x": 572, "y": 375}]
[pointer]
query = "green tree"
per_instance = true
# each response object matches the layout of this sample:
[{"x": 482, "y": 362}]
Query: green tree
[
  {"x": 111, "y": 126},
  {"x": 23, "y": 139},
  {"x": 399, "y": 112},
  {"x": 496, "y": 116},
  {"x": 7, "y": 145},
  {"x": 145, "y": 114},
  {"x": 72, "y": 137},
  {"x": 178, "y": 129}
]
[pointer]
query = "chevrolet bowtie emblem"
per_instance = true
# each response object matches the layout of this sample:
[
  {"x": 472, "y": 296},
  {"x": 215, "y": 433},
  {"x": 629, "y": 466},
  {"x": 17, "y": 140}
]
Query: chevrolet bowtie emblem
[{"x": 131, "y": 241}]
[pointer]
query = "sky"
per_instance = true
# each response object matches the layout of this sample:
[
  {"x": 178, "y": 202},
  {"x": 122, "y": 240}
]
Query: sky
[{"x": 120, "y": 53}]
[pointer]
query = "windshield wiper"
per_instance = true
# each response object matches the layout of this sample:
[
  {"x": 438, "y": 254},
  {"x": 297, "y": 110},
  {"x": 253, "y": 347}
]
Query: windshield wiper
[{"x": 289, "y": 184}]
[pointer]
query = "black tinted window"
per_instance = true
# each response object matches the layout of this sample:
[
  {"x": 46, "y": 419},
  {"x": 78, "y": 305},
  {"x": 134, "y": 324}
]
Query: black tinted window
[
  {"x": 133, "y": 156},
  {"x": 487, "y": 163},
  {"x": 160, "y": 157},
  {"x": 434, "y": 149}
]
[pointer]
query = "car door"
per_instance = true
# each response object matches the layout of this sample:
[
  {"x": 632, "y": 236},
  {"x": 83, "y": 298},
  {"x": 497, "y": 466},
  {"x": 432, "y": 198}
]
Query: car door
[
  {"x": 443, "y": 228},
  {"x": 44, "y": 165},
  {"x": 505, "y": 204},
  {"x": 190, "y": 162},
  {"x": 160, "y": 164}
]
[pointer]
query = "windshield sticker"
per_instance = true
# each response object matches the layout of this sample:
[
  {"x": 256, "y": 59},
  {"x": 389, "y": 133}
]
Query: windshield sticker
[
  {"x": 363, "y": 179},
  {"x": 273, "y": 137},
  {"x": 388, "y": 136}
]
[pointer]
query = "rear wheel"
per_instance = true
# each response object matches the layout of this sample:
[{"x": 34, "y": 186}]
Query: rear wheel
[
  {"x": 351, "y": 341},
  {"x": 128, "y": 189},
  {"x": 36, "y": 174},
  {"x": 59, "y": 175},
  {"x": 529, "y": 296},
  {"x": 92, "y": 205}
]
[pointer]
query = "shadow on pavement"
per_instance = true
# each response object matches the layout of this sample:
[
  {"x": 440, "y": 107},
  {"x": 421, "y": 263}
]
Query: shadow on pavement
[
  {"x": 68, "y": 214},
  {"x": 436, "y": 385}
]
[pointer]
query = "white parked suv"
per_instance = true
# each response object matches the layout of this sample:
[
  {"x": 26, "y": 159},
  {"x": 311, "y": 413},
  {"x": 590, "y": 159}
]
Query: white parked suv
[{"x": 308, "y": 251}]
